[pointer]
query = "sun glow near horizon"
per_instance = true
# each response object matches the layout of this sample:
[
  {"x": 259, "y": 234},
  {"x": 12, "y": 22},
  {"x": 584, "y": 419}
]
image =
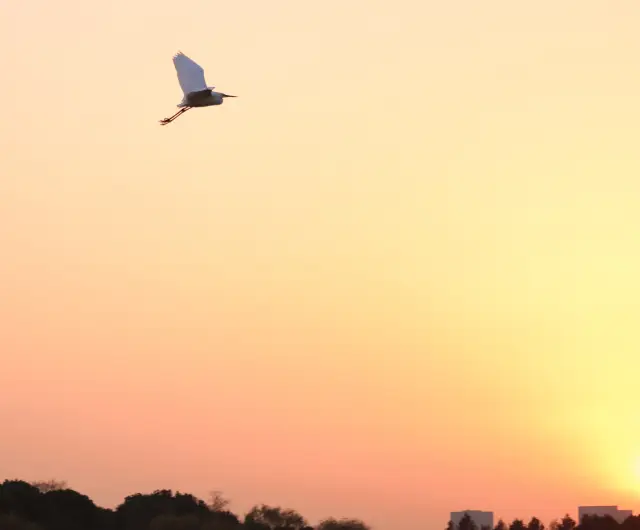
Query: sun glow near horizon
[{"x": 635, "y": 469}]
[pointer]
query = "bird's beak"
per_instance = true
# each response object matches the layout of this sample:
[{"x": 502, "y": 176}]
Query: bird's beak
[{"x": 228, "y": 96}]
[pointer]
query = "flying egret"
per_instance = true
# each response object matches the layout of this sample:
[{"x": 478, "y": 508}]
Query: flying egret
[{"x": 196, "y": 91}]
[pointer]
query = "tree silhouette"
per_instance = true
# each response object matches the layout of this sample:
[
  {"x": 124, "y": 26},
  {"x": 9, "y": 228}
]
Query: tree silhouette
[
  {"x": 535, "y": 524},
  {"x": 467, "y": 523},
  {"x": 341, "y": 524},
  {"x": 175, "y": 522},
  {"x": 517, "y": 524},
  {"x": 631, "y": 523},
  {"x": 51, "y": 505},
  {"x": 13, "y": 522},
  {"x": 274, "y": 517},
  {"x": 217, "y": 502},
  {"x": 46, "y": 486},
  {"x": 566, "y": 523},
  {"x": 21, "y": 499},
  {"x": 139, "y": 510},
  {"x": 66, "y": 509},
  {"x": 591, "y": 522}
]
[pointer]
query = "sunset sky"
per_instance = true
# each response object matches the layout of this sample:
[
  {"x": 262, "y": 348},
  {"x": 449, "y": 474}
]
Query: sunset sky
[{"x": 397, "y": 276}]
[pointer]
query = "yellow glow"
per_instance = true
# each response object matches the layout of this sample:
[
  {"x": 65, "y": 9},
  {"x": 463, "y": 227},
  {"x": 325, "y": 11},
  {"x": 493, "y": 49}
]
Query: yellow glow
[{"x": 636, "y": 471}]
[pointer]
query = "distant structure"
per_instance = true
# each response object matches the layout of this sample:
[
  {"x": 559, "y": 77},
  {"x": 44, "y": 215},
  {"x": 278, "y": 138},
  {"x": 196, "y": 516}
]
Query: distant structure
[
  {"x": 480, "y": 518},
  {"x": 613, "y": 511}
]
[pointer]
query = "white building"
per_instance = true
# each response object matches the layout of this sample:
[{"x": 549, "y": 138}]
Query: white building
[
  {"x": 613, "y": 511},
  {"x": 480, "y": 518}
]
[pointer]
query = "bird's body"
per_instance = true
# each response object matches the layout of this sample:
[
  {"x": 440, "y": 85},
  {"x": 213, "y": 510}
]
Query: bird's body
[
  {"x": 202, "y": 98},
  {"x": 194, "y": 87}
]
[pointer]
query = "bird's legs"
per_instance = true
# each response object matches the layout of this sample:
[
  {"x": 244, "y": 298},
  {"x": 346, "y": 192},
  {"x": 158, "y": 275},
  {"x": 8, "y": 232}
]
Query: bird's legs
[{"x": 171, "y": 118}]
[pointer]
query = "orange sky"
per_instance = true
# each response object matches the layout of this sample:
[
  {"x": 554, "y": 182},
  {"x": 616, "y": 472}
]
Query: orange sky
[{"x": 397, "y": 276}]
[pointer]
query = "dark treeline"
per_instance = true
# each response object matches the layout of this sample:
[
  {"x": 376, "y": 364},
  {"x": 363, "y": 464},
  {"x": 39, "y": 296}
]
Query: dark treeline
[
  {"x": 590, "y": 522},
  {"x": 51, "y": 505}
]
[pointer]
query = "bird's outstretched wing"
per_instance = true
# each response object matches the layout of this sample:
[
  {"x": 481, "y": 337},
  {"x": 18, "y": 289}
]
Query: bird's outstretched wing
[{"x": 190, "y": 74}]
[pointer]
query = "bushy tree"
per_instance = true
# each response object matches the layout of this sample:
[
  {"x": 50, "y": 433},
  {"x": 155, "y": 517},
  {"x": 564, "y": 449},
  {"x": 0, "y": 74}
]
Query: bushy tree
[
  {"x": 21, "y": 499},
  {"x": 500, "y": 525},
  {"x": 175, "y": 522},
  {"x": 342, "y": 524},
  {"x": 566, "y": 523},
  {"x": 535, "y": 524},
  {"x": 275, "y": 517},
  {"x": 467, "y": 523},
  {"x": 46, "y": 486},
  {"x": 517, "y": 524},
  {"x": 66, "y": 509},
  {"x": 137, "y": 511},
  {"x": 13, "y": 522}
]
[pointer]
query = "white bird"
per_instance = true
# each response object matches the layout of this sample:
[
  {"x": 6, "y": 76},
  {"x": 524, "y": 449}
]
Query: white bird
[{"x": 196, "y": 91}]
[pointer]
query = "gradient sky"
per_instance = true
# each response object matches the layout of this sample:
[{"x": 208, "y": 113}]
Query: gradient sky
[{"x": 397, "y": 276}]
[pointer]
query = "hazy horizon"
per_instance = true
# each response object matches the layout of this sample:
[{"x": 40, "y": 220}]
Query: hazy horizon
[{"x": 401, "y": 264}]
